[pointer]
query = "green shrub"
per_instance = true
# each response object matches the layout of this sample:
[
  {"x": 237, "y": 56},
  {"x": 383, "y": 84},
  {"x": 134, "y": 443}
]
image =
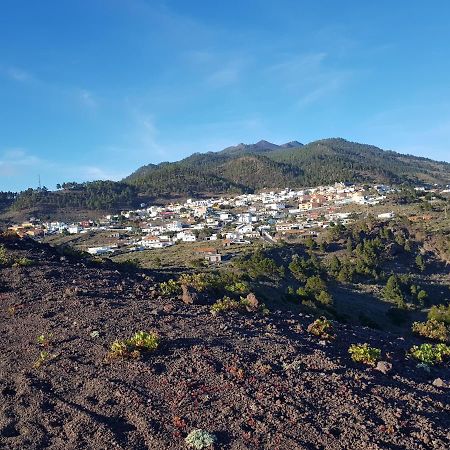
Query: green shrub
[
  {"x": 44, "y": 356},
  {"x": 430, "y": 354},
  {"x": 365, "y": 354},
  {"x": 44, "y": 340},
  {"x": 169, "y": 288},
  {"x": 239, "y": 287},
  {"x": 23, "y": 262},
  {"x": 393, "y": 291},
  {"x": 133, "y": 347},
  {"x": 324, "y": 298},
  {"x": 225, "y": 304},
  {"x": 420, "y": 263},
  {"x": 249, "y": 304},
  {"x": 322, "y": 328},
  {"x": 200, "y": 439},
  {"x": 201, "y": 281},
  {"x": 129, "y": 264},
  {"x": 441, "y": 313},
  {"x": 259, "y": 267},
  {"x": 432, "y": 329},
  {"x": 70, "y": 252},
  {"x": 5, "y": 259}
]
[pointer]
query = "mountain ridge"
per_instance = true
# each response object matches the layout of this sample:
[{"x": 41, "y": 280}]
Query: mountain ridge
[
  {"x": 294, "y": 164},
  {"x": 243, "y": 168}
]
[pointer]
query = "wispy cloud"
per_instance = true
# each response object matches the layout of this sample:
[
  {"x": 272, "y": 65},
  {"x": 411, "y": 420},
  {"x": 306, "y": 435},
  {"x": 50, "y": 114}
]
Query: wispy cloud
[
  {"x": 218, "y": 68},
  {"x": 87, "y": 98},
  {"x": 18, "y": 74},
  {"x": 303, "y": 64},
  {"x": 23, "y": 168},
  {"x": 73, "y": 94},
  {"x": 327, "y": 87},
  {"x": 141, "y": 143},
  {"x": 309, "y": 78},
  {"x": 224, "y": 77},
  {"x": 13, "y": 161},
  {"x": 87, "y": 173}
]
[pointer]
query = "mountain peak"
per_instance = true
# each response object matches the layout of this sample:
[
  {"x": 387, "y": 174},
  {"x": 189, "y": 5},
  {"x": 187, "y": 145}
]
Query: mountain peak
[
  {"x": 264, "y": 142},
  {"x": 292, "y": 144}
]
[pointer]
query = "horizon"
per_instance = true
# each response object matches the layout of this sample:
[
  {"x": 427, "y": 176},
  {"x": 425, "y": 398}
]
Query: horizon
[{"x": 114, "y": 85}]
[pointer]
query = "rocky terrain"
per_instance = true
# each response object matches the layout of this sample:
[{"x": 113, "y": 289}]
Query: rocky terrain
[{"x": 254, "y": 381}]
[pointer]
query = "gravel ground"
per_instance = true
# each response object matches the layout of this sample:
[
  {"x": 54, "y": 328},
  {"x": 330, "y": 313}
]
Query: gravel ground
[{"x": 255, "y": 382}]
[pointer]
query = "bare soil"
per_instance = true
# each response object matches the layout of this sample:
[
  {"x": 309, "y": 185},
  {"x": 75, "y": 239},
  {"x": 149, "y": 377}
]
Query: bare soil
[{"x": 256, "y": 382}]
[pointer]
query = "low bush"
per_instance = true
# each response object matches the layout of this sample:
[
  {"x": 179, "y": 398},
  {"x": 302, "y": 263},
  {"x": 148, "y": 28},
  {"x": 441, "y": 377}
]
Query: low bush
[
  {"x": 169, "y": 288},
  {"x": 133, "y": 347},
  {"x": 200, "y": 439},
  {"x": 244, "y": 304},
  {"x": 5, "y": 258},
  {"x": 129, "y": 264},
  {"x": 44, "y": 356},
  {"x": 441, "y": 313},
  {"x": 239, "y": 287},
  {"x": 322, "y": 328},
  {"x": 201, "y": 281},
  {"x": 23, "y": 262},
  {"x": 225, "y": 304},
  {"x": 44, "y": 340},
  {"x": 430, "y": 354},
  {"x": 365, "y": 354},
  {"x": 432, "y": 329}
]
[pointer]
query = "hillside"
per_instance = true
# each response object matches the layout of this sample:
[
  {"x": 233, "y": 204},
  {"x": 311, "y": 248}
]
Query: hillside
[
  {"x": 239, "y": 169},
  {"x": 74, "y": 201},
  {"x": 254, "y": 381},
  {"x": 173, "y": 179},
  {"x": 267, "y": 165},
  {"x": 335, "y": 158}
]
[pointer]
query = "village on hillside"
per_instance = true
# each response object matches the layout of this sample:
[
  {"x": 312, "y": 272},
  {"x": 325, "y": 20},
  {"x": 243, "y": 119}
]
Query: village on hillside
[{"x": 288, "y": 215}]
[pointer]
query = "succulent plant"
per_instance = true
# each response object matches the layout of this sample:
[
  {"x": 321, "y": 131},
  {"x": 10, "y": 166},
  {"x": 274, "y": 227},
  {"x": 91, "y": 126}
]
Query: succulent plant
[{"x": 199, "y": 439}]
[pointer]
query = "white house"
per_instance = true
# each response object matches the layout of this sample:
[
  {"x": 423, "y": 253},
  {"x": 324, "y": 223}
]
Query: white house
[
  {"x": 186, "y": 236},
  {"x": 154, "y": 242},
  {"x": 246, "y": 218},
  {"x": 174, "y": 226},
  {"x": 388, "y": 215},
  {"x": 99, "y": 250},
  {"x": 74, "y": 229},
  {"x": 244, "y": 228}
]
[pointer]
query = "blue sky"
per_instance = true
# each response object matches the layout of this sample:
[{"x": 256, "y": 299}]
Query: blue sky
[{"x": 93, "y": 89}]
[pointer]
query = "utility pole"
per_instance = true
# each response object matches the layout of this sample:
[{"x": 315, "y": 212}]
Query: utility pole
[{"x": 39, "y": 181}]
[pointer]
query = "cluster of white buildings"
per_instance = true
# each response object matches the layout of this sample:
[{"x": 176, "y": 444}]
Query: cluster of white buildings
[{"x": 236, "y": 220}]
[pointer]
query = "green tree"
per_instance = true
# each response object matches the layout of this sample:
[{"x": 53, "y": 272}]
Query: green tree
[
  {"x": 422, "y": 296},
  {"x": 315, "y": 284},
  {"x": 324, "y": 298},
  {"x": 349, "y": 246},
  {"x": 335, "y": 265},
  {"x": 420, "y": 263},
  {"x": 393, "y": 292}
]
